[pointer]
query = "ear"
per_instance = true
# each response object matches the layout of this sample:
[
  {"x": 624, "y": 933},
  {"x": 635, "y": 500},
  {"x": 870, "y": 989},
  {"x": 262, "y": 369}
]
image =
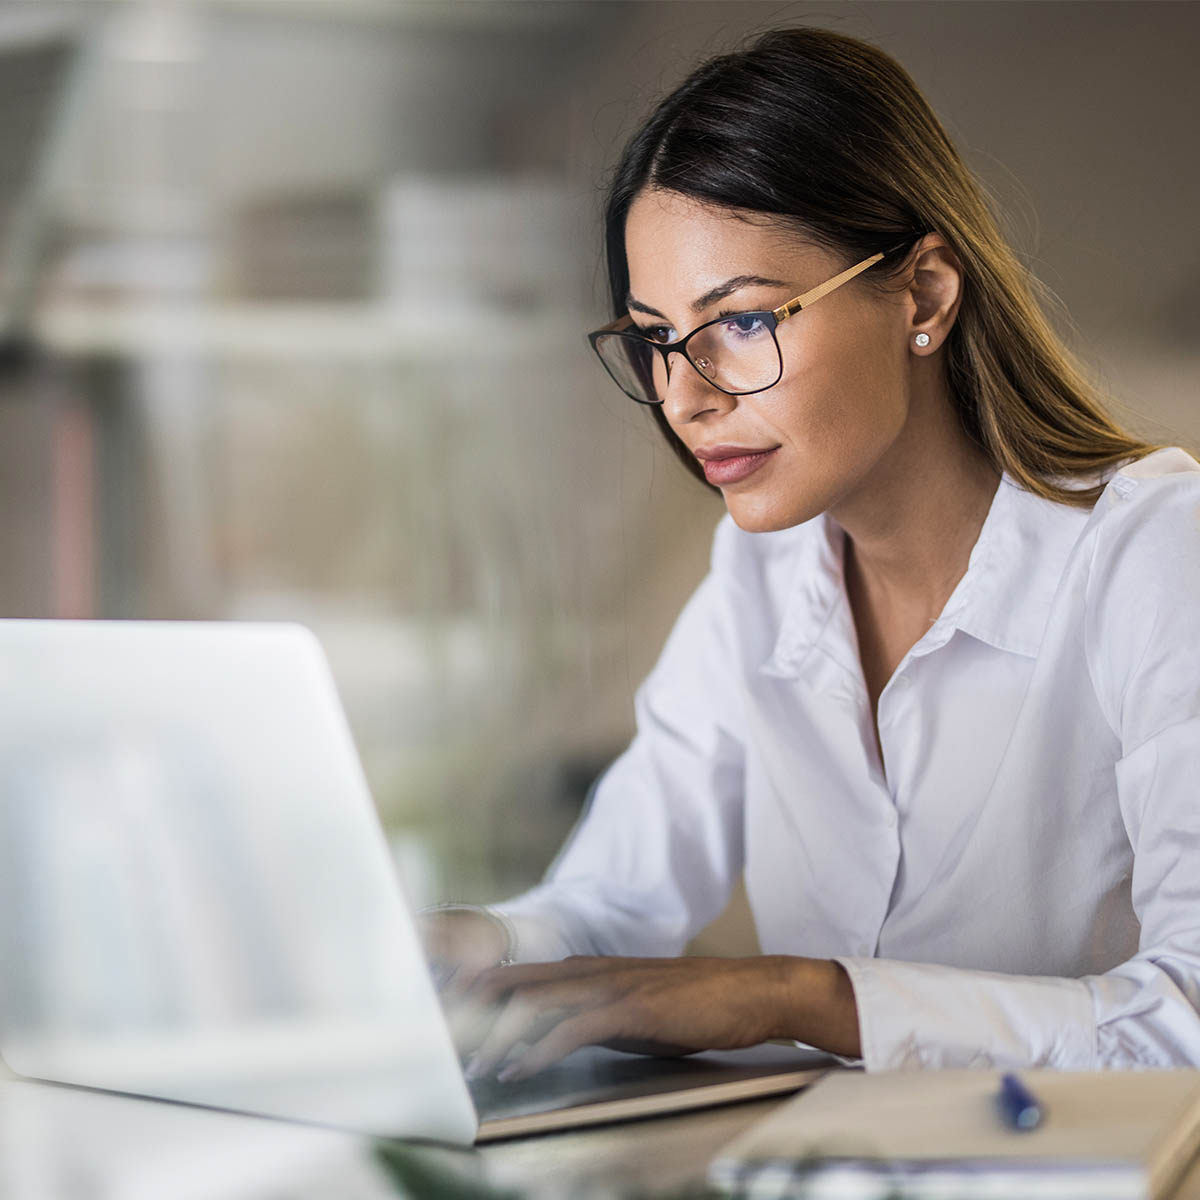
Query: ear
[{"x": 935, "y": 290}]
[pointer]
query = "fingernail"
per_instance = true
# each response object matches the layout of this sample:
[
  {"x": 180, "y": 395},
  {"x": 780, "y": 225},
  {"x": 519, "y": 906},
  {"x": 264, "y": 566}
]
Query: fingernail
[
  {"x": 474, "y": 1068},
  {"x": 512, "y": 1071}
]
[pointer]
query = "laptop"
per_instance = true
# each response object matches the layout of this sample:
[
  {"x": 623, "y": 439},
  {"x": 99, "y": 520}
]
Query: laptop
[{"x": 198, "y": 903}]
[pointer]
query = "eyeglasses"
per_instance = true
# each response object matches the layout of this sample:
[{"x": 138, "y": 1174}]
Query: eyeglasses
[{"x": 738, "y": 353}]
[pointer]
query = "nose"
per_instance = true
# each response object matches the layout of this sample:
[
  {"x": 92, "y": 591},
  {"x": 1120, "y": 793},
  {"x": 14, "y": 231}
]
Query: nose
[{"x": 688, "y": 394}]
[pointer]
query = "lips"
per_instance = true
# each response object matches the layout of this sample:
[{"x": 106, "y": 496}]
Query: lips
[{"x": 724, "y": 465}]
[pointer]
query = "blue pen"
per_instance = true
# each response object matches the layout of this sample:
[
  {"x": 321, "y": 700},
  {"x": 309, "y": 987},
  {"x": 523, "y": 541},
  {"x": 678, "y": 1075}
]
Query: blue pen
[{"x": 1021, "y": 1108}]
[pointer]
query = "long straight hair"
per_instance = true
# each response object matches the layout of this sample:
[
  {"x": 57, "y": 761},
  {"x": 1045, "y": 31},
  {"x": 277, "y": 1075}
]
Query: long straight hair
[{"x": 830, "y": 136}]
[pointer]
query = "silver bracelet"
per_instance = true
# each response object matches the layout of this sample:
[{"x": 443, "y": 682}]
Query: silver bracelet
[{"x": 509, "y": 957}]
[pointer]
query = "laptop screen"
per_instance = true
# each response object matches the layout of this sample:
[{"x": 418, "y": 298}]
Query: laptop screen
[{"x": 196, "y": 898}]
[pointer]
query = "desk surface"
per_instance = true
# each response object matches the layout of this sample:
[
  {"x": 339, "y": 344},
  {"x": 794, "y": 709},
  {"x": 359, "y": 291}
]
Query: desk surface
[{"x": 58, "y": 1143}]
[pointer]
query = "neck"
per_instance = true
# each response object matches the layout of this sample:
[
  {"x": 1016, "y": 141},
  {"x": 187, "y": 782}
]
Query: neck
[{"x": 912, "y": 523}]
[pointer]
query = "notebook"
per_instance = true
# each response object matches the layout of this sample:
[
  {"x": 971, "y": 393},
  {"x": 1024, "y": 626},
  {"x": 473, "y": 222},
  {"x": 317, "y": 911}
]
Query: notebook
[
  {"x": 197, "y": 901},
  {"x": 1104, "y": 1135}
]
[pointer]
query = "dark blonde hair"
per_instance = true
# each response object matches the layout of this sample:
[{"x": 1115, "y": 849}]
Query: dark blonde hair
[{"x": 830, "y": 137}]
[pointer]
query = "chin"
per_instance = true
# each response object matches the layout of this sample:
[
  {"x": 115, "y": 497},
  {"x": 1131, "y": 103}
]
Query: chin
[{"x": 762, "y": 515}]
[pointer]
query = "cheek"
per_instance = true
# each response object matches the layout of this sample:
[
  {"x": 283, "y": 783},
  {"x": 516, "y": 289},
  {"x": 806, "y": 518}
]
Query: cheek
[
  {"x": 837, "y": 416},
  {"x": 852, "y": 401}
]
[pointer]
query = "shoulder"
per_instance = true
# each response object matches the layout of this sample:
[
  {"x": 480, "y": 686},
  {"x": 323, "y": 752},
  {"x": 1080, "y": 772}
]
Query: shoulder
[
  {"x": 1147, "y": 522},
  {"x": 1142, "y": 626}
]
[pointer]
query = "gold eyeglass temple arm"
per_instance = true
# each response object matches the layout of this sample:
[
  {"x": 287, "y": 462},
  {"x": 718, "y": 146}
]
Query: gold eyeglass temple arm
[{"x": 794, "y": 306}]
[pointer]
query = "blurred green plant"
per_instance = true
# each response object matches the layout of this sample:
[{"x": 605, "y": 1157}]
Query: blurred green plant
[{"x": 424, "y": 1175}]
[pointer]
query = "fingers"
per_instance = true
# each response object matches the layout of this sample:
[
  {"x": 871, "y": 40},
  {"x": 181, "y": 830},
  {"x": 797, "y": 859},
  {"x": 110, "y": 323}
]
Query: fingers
[
  {"x": 469, "y": 1022},
  {"x": 581, "y": 1030},
  {"x": 529, "y": 1012},
  {"x": 490, "y": 1022},
  {"x": 475, "y": 999},
  {"x": 553, "y": 1008},
  {"x": 520, "y": 1020}
]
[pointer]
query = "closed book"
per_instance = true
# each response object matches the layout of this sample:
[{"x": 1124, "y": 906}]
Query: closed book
[{"x": 942, "y": 1134}]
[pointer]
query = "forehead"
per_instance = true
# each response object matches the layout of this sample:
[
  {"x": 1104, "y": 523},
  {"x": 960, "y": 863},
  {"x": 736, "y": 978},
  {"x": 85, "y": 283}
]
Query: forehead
[{"x": 677, "y": 247}]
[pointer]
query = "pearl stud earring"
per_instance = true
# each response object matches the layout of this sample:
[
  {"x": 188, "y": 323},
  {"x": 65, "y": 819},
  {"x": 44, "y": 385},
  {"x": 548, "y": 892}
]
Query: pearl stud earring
[{"x": 922, "y": 339}]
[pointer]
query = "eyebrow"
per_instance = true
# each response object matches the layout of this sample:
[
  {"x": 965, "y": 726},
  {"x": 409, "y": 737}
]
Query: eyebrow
[{"x": 712, "y": 295}]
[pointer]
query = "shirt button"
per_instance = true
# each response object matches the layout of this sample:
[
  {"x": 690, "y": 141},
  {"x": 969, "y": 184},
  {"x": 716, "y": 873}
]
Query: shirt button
[
  {"x": 891, "y": 819},
  {"x": 902, "y": 681}
]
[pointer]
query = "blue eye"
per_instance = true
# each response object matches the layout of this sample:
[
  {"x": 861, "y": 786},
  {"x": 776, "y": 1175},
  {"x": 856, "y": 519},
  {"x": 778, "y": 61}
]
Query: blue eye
[{"x": 746, "y": 325}]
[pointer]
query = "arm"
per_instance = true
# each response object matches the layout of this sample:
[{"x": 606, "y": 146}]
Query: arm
[
  {"x": 1143, "y": 648},
  {"x": 656, "y": 854},
  {"x": 654, "y": 1005}
]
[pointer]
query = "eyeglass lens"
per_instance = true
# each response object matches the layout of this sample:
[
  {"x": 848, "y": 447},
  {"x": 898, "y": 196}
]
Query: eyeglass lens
[{"x": 738, "y": 354}]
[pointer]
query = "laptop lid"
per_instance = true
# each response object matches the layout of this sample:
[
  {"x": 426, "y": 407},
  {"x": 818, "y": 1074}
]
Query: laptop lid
[{"x": 196, "y": 898}]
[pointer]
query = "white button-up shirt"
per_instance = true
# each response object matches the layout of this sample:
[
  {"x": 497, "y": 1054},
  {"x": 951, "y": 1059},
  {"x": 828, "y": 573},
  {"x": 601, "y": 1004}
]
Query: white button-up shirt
[{"x": 1017, "y": 882}]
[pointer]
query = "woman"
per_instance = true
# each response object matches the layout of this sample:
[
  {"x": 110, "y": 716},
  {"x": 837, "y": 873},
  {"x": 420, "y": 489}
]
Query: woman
[{"x": 939, "y": 694}]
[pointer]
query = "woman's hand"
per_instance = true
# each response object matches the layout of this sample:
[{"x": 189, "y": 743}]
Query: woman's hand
[
  {"x": 663, "y": 1005},
  {"x": 459, "y": 944}
]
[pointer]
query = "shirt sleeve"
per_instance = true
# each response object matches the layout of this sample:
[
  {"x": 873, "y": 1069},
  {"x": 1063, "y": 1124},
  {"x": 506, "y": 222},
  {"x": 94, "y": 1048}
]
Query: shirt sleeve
[
  {"x": 1142, "y": 636},
  {"x": 660, "y": 845}
]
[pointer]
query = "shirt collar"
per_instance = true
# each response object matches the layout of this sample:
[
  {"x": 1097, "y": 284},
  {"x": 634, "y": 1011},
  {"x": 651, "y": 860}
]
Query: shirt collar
[{"x": 1003, "y": 599}]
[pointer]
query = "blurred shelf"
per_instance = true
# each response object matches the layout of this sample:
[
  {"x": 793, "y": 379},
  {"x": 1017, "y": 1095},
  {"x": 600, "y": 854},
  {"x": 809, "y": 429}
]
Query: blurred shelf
[
  {"x": 361, "y": 332},
  {"x": 15, "y": 21},
  {"x": 433, "y": 14}
]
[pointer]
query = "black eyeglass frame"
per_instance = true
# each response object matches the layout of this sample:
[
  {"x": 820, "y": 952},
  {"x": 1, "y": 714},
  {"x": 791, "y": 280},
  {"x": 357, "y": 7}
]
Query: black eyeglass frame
[{"x": 772, "y": 318}]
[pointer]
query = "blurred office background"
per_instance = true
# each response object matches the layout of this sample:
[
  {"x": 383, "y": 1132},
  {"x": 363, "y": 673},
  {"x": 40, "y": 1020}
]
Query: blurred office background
[{"x": 294, "y": 296}]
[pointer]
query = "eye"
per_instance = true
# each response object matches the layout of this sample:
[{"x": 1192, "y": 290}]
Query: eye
[
  {"x": 745, "y": 325},
  {"x": 658, "y": 333}
]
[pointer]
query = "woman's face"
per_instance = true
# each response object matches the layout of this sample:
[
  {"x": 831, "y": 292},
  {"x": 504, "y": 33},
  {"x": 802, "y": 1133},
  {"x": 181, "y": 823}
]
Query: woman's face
[{"x": 843, "y": 398}]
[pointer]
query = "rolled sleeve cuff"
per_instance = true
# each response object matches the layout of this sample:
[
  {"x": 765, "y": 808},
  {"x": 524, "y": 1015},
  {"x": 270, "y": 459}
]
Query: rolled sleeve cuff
[{"x": 924, "y": 1015}]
